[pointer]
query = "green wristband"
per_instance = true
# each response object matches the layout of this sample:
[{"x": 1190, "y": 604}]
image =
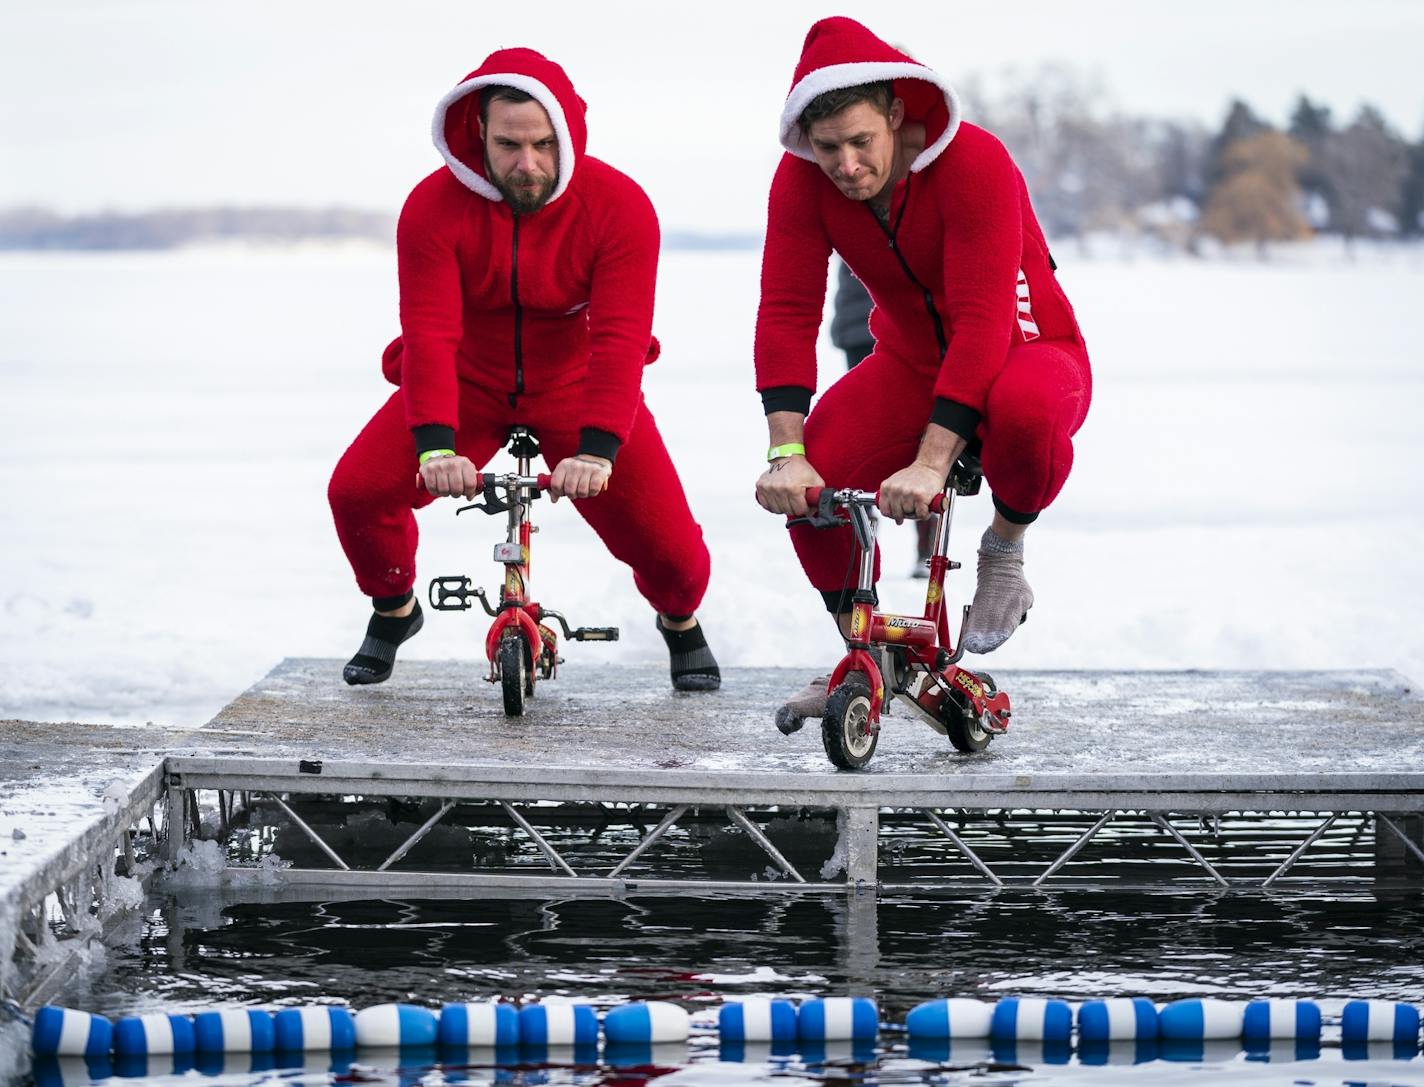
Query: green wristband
[
  {"x": 790, "y": 449},
  {"x": 435, "y": 453}
]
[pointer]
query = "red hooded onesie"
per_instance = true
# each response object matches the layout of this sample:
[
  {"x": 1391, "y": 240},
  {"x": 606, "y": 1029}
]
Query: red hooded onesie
[
  {"x": 541, "y": 318},
  {"x": 972, "y": 329}
]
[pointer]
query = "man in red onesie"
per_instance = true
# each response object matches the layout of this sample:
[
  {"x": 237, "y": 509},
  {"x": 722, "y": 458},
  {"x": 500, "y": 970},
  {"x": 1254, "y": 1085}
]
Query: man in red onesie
[
  {"x": 527, "y": 272},
  {"x": 974, "y": 338}
]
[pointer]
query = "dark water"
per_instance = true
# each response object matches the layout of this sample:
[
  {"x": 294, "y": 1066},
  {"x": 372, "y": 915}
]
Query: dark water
[{"x": 193, "y": 950}]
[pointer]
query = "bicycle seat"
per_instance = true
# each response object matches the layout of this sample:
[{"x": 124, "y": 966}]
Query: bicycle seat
[
  {"x": 522, "y": 441},
  {"x": 967, "y": 473}
]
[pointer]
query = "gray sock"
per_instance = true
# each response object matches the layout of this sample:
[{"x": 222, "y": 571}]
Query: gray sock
[
  {"x": 992, "y": 541},
  {"x": 1002, "y": 596}
]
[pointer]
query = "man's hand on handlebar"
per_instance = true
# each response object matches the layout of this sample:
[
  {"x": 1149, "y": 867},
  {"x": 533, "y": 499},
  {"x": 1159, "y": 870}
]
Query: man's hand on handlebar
[
  {"x": 582, "y": 476},
  {"x": 446, "y": 476},
  {"x": 782, "y": 487},
  {"x": 908, "y": 493}
]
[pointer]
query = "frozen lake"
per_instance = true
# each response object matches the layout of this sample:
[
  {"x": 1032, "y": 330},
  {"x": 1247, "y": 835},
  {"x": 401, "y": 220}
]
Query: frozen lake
[{"x": 1246, "y": 494}]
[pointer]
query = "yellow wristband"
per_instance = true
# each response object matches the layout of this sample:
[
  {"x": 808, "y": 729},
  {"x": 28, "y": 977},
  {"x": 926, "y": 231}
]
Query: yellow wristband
[
  {"x": 429, "y": 453},
  {"x": 790, "y": 449}
]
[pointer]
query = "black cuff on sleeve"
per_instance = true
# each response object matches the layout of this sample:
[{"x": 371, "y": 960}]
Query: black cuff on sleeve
[
  {"x": 952, "y": 415},
  {"x": 1013, "y": 516},
  {"x": 433, "y": 436},
  {"x": 841, "y": 601},
  {"x": 786, "y": 398},
  {"x": 599, "y": 443}
]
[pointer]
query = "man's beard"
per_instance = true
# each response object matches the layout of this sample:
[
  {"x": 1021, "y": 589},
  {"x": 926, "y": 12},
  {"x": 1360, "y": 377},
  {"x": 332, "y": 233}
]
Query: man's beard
[{"x": 522, "y": 200}]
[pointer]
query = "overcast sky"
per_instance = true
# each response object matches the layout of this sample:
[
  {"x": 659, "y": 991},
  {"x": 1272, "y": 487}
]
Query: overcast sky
[{"x": 133, "y": 104}]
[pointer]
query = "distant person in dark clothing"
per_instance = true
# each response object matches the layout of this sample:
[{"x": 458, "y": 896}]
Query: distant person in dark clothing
[
  {"x": 850, "y": 331},
  {"x": 850, "y": 317}
]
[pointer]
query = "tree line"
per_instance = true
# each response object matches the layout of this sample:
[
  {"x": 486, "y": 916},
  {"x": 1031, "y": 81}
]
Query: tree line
[
  {"x": 1089, "y": 169},
  {"x": 1249, "y": 181},
  {"x": 39, "y": 228}
]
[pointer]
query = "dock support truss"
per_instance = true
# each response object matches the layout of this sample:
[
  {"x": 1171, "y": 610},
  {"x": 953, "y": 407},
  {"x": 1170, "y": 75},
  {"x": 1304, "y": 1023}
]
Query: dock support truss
[
  {"x": 66, "y": 901},
  {"x": 1002, "y": 833}
]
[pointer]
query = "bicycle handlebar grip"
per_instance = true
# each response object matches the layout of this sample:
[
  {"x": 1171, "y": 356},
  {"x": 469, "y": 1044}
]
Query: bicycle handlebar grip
[
  {"x": 813, "y": 495},
  {"x": 936, "y": 503},
  {"x": 544, "y": 481}
]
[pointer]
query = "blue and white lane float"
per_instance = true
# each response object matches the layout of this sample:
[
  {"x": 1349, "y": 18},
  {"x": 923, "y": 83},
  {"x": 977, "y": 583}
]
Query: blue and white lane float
[
  {"x": 1264, "y": 1020},
  {"x": 837, "y": 1018},
  {"x": 393, "y": 1026},
  {"x": 236, "y": 1030},
  {"x": 757, "y": 1019},
  {"x": 1203, "y": 1019},
  {"x": 141, "y": 1035},
  {"x": 1032, "y": 1019},
  {"x": 1119, "y": 1020},
  {"x": 652, "y": 1022},
  {"x": 314, "y": 1029},
  {"x": 956, "y": 1017},
  {"x": 1379, "y": 1021},
  {"x": 558, "y": 1024},
  {"x": 491, "y": 1024},
  {"x": 64, "y": 1032}
]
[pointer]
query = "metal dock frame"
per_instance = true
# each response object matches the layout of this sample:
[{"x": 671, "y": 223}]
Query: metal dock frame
[{"x": 1391, "y": 801}]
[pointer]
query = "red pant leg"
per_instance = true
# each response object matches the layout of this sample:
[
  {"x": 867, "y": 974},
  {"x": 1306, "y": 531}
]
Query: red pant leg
[
  {"x": 643, "y": 517},
  {"x": 866, "y": 427},
  {"x": 373, "y": 491},
  {"x": 1035, "y": 406}
]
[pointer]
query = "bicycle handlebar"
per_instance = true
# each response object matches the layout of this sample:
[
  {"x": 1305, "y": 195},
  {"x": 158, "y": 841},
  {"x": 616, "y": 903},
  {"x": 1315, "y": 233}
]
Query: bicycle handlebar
[
  {"x": 813, "y": 498},
  {"x": 540, "y": 481}
]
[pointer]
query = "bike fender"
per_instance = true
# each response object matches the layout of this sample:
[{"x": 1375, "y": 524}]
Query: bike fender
[
  {"x": 858, "y": 660},
  {"x": 528, "y": 630}
]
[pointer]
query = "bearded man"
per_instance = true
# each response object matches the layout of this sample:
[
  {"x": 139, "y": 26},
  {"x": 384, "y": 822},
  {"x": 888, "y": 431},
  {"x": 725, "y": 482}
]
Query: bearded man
[{"x": 527, "y": 272}]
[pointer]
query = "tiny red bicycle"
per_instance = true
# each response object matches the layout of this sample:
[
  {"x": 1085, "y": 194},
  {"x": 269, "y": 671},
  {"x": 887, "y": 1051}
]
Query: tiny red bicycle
[
  {"x": 520, "y": 644},
  {"x": 922, "y": 661}
]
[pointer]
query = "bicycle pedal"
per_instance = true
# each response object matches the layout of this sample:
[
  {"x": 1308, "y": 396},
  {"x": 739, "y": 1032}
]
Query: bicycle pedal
[
  {"x": 596, "y": 634},
  {"x": 445, "y": 589}
]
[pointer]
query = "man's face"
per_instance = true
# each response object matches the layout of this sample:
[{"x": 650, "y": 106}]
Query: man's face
[
  {"x": 521, "y": 153},
  {"x": 855, "y": 148}
]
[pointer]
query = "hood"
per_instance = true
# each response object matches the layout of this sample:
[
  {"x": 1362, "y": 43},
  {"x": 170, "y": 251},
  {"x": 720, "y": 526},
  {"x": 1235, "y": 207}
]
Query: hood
[
  {"x": 456, "y": 127},
  {"x": 839, "y": 52}
]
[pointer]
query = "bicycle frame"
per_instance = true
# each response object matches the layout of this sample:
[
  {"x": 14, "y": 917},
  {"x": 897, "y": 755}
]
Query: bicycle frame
[
  {"x": 924, "y": 639},
  {"x": 516, "y": 611},
  {"x": 517, "y": 616}
]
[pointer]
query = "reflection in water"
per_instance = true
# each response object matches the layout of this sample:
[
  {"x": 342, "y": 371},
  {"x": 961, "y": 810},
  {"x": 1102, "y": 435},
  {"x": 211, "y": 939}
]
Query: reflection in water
[{"x": 1074, "y": 944}]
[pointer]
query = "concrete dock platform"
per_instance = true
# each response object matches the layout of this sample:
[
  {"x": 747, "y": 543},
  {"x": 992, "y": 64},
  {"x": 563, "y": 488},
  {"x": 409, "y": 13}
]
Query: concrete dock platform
[{"x": 629, "y": 718}]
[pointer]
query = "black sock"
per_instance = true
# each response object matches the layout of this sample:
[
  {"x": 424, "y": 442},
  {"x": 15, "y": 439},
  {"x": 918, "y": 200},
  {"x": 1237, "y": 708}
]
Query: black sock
[
  {"x": 694, "y": 668},
  {"x": 376, "y": 658}
]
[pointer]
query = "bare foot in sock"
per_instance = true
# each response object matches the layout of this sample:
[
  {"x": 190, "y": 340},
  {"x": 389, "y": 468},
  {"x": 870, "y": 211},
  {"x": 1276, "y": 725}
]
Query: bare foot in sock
[
  {"x": 809, "y": 701},
  {"x": 690, "y": 658},
  {"x": 1002, "y": 596},
  {"x": 375, "y": 660}
]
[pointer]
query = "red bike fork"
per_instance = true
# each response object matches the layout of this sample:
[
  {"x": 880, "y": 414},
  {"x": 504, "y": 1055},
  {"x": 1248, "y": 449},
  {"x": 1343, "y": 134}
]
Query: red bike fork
[{"x": 515, "y": 610}]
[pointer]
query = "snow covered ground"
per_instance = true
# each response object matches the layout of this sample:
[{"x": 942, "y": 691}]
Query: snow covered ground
[{"x": 1247, "y": 492}]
